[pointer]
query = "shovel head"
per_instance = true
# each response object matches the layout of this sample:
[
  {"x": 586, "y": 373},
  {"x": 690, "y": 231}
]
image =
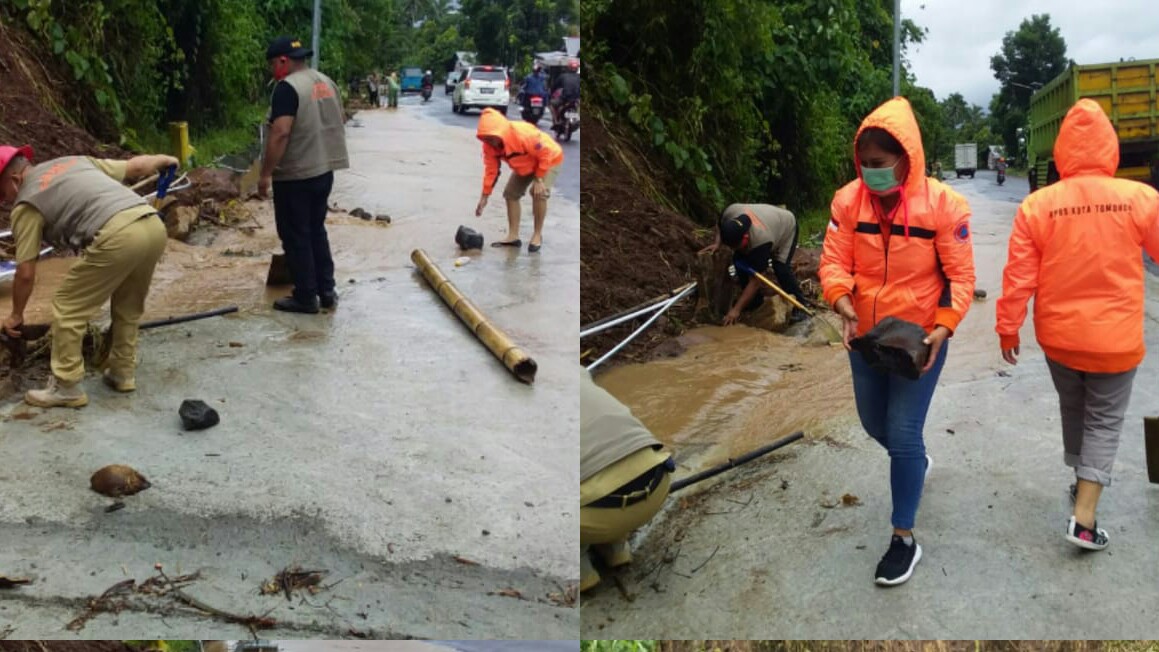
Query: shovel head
[
  {"x": 279, "y": 273},
  {"x": 1151, "y": 442}
]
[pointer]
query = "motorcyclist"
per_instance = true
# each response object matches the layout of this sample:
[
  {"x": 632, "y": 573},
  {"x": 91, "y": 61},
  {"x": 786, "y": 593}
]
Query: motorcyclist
[
  {"x": 535, "y": 84},
  {"x": 1001, "y": 166},
  {"x": 428, "y": 80},
  {"x": 565, "y": 89}
]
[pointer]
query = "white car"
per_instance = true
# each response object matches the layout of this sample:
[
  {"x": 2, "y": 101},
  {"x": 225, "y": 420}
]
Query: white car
[
  {"x": 479, "y": 87},
  {"x": 449, "y": 85}
]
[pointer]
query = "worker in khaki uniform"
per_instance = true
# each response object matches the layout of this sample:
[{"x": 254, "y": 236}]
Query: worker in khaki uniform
[
  {"x": 1075, "y": 248},
  {"x": 624, "y": 478},
  {"x": 535, "y": 160},
  {"x": 79, "y": 203},
  {"x": 306, "y": 143}
]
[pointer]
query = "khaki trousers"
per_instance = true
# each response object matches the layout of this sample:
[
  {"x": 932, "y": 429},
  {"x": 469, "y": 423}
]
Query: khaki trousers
[
  {"x": 612, "y": 524},
  {"x": 117, "y": 266}
]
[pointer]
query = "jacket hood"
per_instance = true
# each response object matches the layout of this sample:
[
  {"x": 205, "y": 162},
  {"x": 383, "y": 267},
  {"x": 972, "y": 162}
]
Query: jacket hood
[
  {"x": 1087, "y": 143},
  {"x": 491, "y": 123},
  {"x": 897, "y": 117}
]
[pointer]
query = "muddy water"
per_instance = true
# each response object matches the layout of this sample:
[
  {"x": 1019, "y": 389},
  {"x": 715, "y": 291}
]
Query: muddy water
[
  {"x": 224, "y": 266},
  {"x": 734, "y": 390}
]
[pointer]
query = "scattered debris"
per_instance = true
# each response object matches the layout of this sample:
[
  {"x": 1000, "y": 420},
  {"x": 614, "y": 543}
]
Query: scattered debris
[
  {"x": 950, "y": 430},
  {"x": 468, "y": 238},
  {"x": 196, "y": 415},
  {"x": 465, "y": 561},
  {"x": 236, "y": 345},
  {"x": 705, "y": 562},
  {"x": 1002, "y": 373},
  {"x": 118, "y": 480},
  {"x": 462, "y": 260},
  {"x": 979, "y": 294},
  {"x": 508, "y": 593},
  {"x": 828, "y": 502},
  {"x": 294, "y": 579},
  {"x": 115, "y": 507},
  {"x": 382, "y": 218},
  {"x": 569, "y": 595},
  {"x": 13, "y": 582},
  {"x": 849, "y": 500},
  {"x": 358, "y": 212}
]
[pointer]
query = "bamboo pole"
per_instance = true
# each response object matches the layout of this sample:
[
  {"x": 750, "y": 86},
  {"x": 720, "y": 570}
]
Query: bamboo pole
[{"x": 513, "y": 357}]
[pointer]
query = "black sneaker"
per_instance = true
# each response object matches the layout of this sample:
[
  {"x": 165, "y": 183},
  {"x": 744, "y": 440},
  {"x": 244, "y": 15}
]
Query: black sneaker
[
  {"x": 1088, "y": 539},
  {"x": 290, "y": 304},
  {"x": 898, "y": 563},
  {"x": 328, "y": 300}
]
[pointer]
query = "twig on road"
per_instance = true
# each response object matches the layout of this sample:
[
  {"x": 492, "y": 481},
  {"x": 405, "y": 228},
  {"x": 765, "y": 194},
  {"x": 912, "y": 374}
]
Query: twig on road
[
  {"x": 252, "y": 622},
  {"x": 705, "y": 562}
]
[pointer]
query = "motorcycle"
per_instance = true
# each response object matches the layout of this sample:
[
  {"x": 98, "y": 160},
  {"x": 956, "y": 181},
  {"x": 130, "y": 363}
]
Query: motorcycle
[
  {"x": 566, "y": 121},
  {"x": 427, "y": 93},
  {"x": 532, "y": 108},
  {"x": 1001, "y": 177}
]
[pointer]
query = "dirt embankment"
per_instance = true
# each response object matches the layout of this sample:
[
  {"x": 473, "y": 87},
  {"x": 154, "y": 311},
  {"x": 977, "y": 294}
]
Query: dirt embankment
[
  {"x": 635, "y": 249},
  {"x": 897, "y": 646}
]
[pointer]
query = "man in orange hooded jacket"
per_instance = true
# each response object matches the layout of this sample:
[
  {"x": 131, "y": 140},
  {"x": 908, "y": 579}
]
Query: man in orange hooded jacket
[
  {"x": 534, "y": 159},
  {"x": 898, "y": 245},
  {"x": 1075, "y": 247}
]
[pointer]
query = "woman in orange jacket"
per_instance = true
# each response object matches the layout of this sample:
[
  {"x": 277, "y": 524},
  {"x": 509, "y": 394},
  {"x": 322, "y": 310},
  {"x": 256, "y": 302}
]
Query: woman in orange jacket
[
  {"x": 898, "y": 245},
  {"x": 1075, "y": 247}
]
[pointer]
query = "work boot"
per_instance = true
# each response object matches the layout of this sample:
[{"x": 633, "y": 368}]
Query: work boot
[
  {"x": 589, "y": 577},
  {"x": 615, "y": 554},
  {"x": 57, "y": 394},
  {"x": 328, "y": 300},
  {"x": 291, "y": 304},
  {"x": 118, "y": 382}
]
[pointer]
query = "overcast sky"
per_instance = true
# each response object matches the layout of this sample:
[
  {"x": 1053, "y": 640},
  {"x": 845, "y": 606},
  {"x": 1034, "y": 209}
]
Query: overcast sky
[{"x": 964, "y": 34}]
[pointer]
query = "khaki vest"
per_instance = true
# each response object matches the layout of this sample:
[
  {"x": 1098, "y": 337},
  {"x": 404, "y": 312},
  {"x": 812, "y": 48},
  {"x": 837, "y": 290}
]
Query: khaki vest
[
  {"x": 770, "y": 224},
  {"x": 608, "y": 431},
  {"x": 318, "y": 138},
  {"x": 75, "y": 198}
]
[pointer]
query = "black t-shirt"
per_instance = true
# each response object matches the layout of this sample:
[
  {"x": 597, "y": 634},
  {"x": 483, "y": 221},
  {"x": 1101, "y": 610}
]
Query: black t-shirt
[
  {"x": 569, "y": 82},
  {"x": 759, "y": 258},
  {"x": 284, "y": 102}
]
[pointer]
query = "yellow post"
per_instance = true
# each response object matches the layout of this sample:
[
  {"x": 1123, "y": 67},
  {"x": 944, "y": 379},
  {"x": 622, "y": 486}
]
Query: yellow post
[{"x": 179, "y": 142}]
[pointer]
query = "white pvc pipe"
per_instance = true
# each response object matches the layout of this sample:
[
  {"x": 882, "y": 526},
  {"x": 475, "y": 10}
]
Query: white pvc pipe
[
  {"x": 619, "y": 320},
  {"x": 665, "y": 306}
]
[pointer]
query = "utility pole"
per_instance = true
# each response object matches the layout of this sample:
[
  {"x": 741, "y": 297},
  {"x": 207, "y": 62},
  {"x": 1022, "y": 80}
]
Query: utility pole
[
  {"x": 896, "y": 47},
  {"x": 317, "y": 31}
]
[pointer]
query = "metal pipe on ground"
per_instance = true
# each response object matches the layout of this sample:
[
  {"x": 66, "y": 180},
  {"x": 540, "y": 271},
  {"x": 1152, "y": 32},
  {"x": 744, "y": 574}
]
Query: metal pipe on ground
[
  {"x": 184, "y": 318},
  {"x": 624, "y": 315},
  {"x": 677, "y": 485},
  {"x": 514, "y": 358}
]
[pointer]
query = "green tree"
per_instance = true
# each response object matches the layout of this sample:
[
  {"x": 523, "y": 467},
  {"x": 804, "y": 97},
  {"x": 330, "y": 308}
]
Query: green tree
[{"x": 1030, "y": 57}]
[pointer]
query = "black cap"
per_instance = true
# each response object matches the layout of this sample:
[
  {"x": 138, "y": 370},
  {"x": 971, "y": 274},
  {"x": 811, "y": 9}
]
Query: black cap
[
  {"x": 733, "y": 229},
  {"x": 287, "y": 46}
]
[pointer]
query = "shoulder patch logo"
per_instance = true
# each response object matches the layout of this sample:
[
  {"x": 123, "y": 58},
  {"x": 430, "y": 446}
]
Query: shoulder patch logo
[{"x": 962, "y": 231}]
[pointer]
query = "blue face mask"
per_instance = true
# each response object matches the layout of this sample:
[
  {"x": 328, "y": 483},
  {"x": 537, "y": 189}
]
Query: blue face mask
[{"x": 880, "y": 180}]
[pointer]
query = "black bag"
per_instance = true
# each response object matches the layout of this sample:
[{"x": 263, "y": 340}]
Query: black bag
[
  {"x": 468, "y": 238},
  {"x": 894, "y": 346}
]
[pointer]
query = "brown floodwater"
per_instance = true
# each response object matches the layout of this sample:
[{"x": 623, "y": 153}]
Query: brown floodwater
[
  {"x": 222, "y": 266},
  {"x": 735, "y": 389}
]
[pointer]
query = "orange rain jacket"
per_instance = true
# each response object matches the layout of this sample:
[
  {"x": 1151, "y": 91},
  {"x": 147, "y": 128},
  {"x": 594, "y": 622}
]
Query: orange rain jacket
[
  {"x": 1075, "y": 247},
  {"x": 925, "y": 274},
  {"x": 526, "y": 149}
]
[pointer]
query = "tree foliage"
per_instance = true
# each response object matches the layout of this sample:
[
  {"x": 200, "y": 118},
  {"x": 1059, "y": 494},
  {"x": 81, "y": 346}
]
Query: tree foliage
[
  {"x": 747, "y": 100},
  {"x": 1030, "y": 57}
]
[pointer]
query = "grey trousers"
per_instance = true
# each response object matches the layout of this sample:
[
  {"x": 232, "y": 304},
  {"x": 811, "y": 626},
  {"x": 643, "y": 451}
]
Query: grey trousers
[{"x": 1092, "y": 407}]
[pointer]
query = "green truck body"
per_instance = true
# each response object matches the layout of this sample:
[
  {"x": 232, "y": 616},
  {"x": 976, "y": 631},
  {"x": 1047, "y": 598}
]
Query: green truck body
[{"x": 1127, "y": 93}]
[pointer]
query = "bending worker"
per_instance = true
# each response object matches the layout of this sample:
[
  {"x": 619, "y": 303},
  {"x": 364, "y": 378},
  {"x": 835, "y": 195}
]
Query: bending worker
[
  {"x": 760, "y": 235},
  {"x": 624, "y": 477},
  {"x": 79, "y": 203}
]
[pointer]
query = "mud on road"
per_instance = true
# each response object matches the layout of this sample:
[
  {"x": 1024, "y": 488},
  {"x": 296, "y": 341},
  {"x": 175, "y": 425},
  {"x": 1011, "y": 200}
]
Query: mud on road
[{"x": 770, "y": 550}]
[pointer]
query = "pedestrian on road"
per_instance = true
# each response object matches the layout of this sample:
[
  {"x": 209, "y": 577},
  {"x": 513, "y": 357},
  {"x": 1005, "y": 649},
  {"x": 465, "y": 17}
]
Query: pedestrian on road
[
  {"x": 624, "y": 478},
  {"x": 1075, "y": 247},
  {"x": 306, "y": 142},
  {"x": 761, "y": 236},
  {"x": 392, "y": 91},
  {"x": 79, "y": 203},
  {"x": 535, "y": 160},
  {"x": 372, "y": 84},
  {"x": 898, "y": 245}
]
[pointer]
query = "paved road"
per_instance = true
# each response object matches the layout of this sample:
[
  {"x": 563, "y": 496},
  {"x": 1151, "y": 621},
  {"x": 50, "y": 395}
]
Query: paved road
[
  {"x": 757, "y": 556},
  {"x": 377, "y": 443}
]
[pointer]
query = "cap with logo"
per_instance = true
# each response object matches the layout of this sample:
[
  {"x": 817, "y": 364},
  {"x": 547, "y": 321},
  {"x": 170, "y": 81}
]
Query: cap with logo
[{"x": 287, "y": 46}]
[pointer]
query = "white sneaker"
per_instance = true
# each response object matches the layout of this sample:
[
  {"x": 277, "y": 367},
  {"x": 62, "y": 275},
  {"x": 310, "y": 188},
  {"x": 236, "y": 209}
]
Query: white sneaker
[
  {"x": 929, "y": 465},
  {"x": 57, "y": 394},
  {"x": 1094, "y": 539}
]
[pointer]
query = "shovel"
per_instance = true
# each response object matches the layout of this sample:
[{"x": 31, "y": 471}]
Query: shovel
[{"x": 830, "y": 330}]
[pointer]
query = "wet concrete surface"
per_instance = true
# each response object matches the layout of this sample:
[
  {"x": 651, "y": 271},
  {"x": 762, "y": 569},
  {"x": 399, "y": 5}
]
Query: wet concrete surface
[
  {"x": 378, "y": 442},
  {"x": 759, "y": 554}
]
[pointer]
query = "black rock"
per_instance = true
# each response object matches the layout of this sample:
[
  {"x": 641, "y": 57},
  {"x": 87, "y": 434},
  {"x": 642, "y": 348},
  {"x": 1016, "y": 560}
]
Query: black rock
[
  {"x": 894, "y": 346},
  {"x": 382, "y": 218},
  {"x": 468, "y": 238},
  {"x": 196, "y": 415}
]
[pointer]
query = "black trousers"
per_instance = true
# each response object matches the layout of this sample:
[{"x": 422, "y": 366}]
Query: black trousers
[
  {"x": 784, "y": 273},
  {"x": 300, "y": 213}
]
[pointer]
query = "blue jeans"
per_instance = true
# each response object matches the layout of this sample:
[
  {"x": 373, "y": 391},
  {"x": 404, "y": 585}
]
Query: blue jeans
[{"x": 893, "y": 411}]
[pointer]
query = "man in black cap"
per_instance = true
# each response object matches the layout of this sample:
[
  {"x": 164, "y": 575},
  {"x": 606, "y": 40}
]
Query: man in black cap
[
  {"x": 305, "y": 143},
  {"x": 761, "y": 235}
]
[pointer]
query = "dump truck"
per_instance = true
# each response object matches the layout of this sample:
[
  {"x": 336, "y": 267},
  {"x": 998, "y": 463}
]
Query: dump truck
[
  {"x": 1126, "y": 91},
  {"x": 966, "y": 159}
]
